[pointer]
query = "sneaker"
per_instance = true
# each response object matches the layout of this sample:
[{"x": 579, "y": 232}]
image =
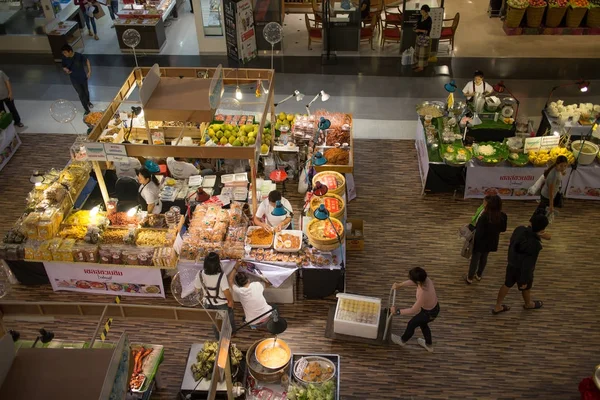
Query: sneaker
[
  {"x": 478, "y": 278},
  {"x": 424, "y": 345},
  {"x": 398, "y": 340},
  {"x": 19, "y": 125}
]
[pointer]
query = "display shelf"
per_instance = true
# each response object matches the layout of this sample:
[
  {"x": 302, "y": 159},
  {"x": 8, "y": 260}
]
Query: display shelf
[
  {"x": 342, "y": 169},
  {"x": 10, "y": 143}
]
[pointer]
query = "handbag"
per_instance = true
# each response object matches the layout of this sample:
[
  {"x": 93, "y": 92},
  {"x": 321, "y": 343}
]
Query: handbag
[
  {"x": 536, "y": 188},
  {"x": 467, "y": 249}
]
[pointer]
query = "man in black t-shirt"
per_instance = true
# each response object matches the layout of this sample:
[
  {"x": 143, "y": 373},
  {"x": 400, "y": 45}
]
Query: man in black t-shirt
[{"x": 74, "y": 64}]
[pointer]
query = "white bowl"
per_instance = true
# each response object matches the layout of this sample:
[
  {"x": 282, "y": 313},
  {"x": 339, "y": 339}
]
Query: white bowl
[{"x": 586, "y": 158}]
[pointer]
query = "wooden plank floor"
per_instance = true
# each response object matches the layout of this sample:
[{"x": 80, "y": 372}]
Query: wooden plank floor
[{"x": 522, "y": 354}]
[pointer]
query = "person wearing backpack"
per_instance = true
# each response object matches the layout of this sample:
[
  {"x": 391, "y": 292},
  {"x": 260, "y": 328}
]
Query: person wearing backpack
[
  {"x": 213, "y": 282},
  {"x": 490, "y": 223}
]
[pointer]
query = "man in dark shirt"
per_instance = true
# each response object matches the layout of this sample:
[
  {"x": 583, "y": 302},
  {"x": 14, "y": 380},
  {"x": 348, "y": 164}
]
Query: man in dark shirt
[
  {"x": 525, "y": 246},
  {"x": 74, "y": 65}
]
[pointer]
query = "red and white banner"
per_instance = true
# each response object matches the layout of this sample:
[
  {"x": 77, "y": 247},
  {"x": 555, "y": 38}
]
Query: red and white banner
[
  {"x": 509, "y": 182},
  {"x": 105, "y": 279}
]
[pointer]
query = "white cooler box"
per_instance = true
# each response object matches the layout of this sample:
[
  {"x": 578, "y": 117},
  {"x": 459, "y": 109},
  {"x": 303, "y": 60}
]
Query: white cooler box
[{"x": 357, "y": 315}]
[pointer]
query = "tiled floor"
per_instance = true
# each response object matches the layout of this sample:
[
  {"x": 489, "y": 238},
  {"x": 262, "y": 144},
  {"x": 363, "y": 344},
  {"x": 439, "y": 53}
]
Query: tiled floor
[{"x": 522, "y": 354}]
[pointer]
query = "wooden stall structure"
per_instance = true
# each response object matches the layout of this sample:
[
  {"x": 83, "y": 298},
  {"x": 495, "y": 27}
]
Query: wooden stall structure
[{"x": 188, "y": 95}]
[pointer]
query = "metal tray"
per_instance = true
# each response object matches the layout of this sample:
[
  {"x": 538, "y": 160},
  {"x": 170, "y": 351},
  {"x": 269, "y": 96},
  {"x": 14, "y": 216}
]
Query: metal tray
[
  {"x": 335, "y": 358},
  {"x": 254, "y": 246}
]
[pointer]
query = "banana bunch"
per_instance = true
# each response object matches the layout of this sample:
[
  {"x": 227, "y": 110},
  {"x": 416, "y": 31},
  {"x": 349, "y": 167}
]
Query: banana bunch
[
  {"x": 561, "y": 151},
  {"x": 540, "y": 158}
]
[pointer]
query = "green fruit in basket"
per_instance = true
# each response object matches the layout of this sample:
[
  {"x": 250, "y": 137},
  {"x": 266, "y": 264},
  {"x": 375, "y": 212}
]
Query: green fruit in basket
[
  {"x": 219, "y": 134},
  {"x": 281, "y": 116},
  {"x": 223, "y": 140},
  {"x": 211, "y": 131},
  {"x": 232, "y": 139},
  {"x": 264, "y": 149},
  {"x": 237, "y": 143},
  {"x": 251, "y": 141},
  {"x": 251, "y": 134}
]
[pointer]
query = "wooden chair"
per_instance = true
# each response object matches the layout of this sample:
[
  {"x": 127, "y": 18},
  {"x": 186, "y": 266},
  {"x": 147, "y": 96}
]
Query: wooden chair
[
  {"x": 392, "y": 18},
  {"x": 390, "y": 33},
  {"x": 317, "y": 10},
  {"x": 448, "y": 32},
  {"x": 367, "y": 31},
  {"x": 314, "y": 32},
  {"x": 376, "y": 9}
]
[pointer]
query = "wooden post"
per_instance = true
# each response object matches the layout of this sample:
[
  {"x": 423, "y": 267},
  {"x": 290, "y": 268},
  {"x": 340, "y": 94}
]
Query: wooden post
[
  {"x": 101, "y": 182},
  {"x": 253, "y": 185},
  {"x": 228, "y": 380}
]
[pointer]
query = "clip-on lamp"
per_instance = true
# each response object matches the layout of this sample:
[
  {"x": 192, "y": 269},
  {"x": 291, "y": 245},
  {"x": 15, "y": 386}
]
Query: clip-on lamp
[
  {"x": 324, "y": 97},
  {"x": 299, "y": 96},
  {"x": 322, "y": 214}
]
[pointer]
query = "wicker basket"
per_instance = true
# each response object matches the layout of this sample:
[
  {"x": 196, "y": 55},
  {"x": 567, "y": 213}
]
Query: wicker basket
[
  {"x": 554, "y": 16},
  {"x": 593, "y": 18},
  {"x": 514, "y": 16},
  {"x": 324, "y": 244},
  {"x": 325, "y": 178},
  {"x": 316, "y": 201},
  {"x": 575, "y": 16},
  {"x": 535, "y": 16}
]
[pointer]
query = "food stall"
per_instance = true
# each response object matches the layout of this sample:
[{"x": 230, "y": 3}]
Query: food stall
[
  {"x": 576, "y": 119},
  {"x": 508, "y": 167},
  {"x": 9, "y": 139}
]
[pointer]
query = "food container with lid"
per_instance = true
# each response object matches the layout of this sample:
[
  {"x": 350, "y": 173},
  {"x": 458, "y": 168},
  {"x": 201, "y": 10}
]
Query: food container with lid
[{"x": 357, "y": 315}]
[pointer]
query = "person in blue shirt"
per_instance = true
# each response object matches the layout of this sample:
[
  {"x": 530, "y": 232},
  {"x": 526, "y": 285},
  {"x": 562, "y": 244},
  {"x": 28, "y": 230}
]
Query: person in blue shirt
[{"x": 74, "y": 64}]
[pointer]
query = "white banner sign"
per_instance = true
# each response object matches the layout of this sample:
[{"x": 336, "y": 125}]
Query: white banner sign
[
  {"x": 105, "y": 279},
  {"x": 584, "y": 183},
  {"x": 509, "y": 182}
]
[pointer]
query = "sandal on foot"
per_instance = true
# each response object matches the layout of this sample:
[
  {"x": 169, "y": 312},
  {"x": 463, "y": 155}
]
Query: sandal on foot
[
  {"x": 466, "y": 279},
  {"x": 505, "y": 308},
  {"x": 537, "y": 304}
]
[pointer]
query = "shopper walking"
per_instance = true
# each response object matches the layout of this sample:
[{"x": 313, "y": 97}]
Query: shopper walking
[
  {"x": 74, "y": 64},
  {"x": 525, "y": 246},
  {"x": 552, "y": 185},
  {"x": 424, "y": 311},
  {"x": 423, "y": 42},
  {"x": 216, "y": 288},
  {"x": 113, "y": 9},
  {"x": 490, "y": 224},
  {"x": 7, "y": 98},
  {"x": 87, "y": 8}
]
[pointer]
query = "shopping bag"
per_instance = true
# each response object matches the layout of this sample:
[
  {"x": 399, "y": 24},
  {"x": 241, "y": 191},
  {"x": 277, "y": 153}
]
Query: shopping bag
[
  {"x": 536, "y": 188},
  {"x": 408, "y": 56},
  {"x": 303, "y": 181},
  {"x": 99, "y": 13}
]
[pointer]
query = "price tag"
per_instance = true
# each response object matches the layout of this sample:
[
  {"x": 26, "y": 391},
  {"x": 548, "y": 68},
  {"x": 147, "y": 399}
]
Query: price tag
[
  {"x": 329, "y": 181},
  {"x": 549, "y": 142},
  {"x": 532, "y": 144}
]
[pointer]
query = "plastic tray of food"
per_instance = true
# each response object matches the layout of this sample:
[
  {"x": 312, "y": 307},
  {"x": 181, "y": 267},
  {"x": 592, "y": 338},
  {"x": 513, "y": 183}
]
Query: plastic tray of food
[
  {"x": 332, "y": 385},
  {"x": 289, "y": 241},
  {"x": 225, "y": 179},
  {"x": 209, "y": 181},
  {"x": 264, "y": 244},
  {"x": 241, "y": 177}
]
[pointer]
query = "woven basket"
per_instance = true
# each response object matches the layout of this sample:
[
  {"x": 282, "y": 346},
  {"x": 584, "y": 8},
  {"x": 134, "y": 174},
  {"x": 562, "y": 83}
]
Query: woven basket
[
  {"x": 324, "y": 178},
  {"x": 554, "y": 16},
  {"x": 324, "y": 244},
  {"x": 593, "y": 18},
  {"x": 535, "y": 16},
  {"x": 575, "y": 16},
  {"x": 316, "y": 201},
  {"x": 514, "y": 16}
]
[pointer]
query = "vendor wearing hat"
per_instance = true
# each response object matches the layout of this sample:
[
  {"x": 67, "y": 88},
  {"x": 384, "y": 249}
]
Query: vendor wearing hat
[
  {"x": 264, "y": 215},
  {"x": 477, "y": 85},
  {"x": 148, "y": 193}
]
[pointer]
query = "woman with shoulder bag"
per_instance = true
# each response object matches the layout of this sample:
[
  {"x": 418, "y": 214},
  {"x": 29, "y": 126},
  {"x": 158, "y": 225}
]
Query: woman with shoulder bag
[
  {"x": 213, "y": 281},
  {"x": 551, "y": 189},
  {"x": 490, "y": 224}
]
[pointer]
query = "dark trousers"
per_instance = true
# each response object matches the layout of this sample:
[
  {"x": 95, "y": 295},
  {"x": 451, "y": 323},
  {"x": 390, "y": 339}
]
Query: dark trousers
[
  {"x": 478, "y": 263},
  {"x": 229, "y": 314},
  {"x": 84, "y": 94},
  {"x": 113, "y": 8},
  {"x": 421, "y": 320},
  {"x": 11, "y": 108}
]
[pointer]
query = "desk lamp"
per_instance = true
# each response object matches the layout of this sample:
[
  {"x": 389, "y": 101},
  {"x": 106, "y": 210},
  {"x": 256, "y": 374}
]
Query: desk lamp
[
  {"x": 299, "y": 96},
  {"x": 583, "y": 87},
  {"x": 322, "y": 214},
  {"x": 324, "y": 97}
]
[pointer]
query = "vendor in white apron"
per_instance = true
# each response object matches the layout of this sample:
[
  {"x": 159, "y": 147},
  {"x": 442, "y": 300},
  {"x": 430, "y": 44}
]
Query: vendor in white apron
[
  {"x": 127, "y": 167},
  {"x": 477, "y": 85},
  {"x": 264, "y": 217},
  {"x": 148, "y": 194},
  {"x": 180, "y": 169}
]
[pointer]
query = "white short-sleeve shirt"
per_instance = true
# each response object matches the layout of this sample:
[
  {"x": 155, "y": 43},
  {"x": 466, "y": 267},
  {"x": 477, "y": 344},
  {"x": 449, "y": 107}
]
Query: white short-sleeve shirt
[
  {"x": 265, "y": 209},
  {"x": 150, "y": 193},
  {"x": 211, "y": 282},
  {"x": 253, "y": 301},
  {"x": 127, "y": 167},
  {"x": 471, "y": 87},
  {"x": 180, "y": 169}
]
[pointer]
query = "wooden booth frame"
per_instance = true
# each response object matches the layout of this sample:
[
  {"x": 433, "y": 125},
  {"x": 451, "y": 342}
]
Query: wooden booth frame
[{"x": 228, "y": 76}]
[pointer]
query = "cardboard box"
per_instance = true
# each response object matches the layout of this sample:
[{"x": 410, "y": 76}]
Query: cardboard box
[
  {"x": 355, "y": 239},
  {"x": 343, "y": 319}
]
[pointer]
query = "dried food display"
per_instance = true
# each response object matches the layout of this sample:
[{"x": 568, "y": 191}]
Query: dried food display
[
  {"x": 151, "y": 238},
  {"x": 114, "y": 236},
  {"x": 337, "y": 136},
  {"x": 258, "y": 236},
  {"x": 337, "y": 156},
  {"x": 122, "y": 219}
]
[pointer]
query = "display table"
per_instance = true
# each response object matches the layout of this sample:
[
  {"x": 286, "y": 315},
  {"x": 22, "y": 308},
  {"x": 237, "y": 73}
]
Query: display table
[
  {"x": 436, "y": 176},
  {"x": 512, "y": 183},
  {"x": 153, "y": 34},
  {"x": 552, "y": 124},
  {"x": 491, "y": 131},
  {"x": 67, "y": 33},
  {"x": 9, "y": 143}
]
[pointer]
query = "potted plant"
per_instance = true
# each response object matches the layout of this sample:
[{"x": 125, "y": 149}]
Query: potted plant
[
  {"x": 515, "y": 12},
  {"x": 593, "y": 15},
  {"x": 576, "y": 11},
  {"x": 535, "y": 13},
  {"x": 556, "y": 12}
]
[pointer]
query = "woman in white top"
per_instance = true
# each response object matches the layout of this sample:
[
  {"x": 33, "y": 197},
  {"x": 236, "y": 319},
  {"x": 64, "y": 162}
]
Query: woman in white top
[
  {"x": 180, "y": 169},
  {"x": 148, "y": 193},
  {"x": 477, "y": 85},
  {"x": 216, "y": 287},
  {"x": 264, "y": 217},
  {"x": 251, "y": 296}
]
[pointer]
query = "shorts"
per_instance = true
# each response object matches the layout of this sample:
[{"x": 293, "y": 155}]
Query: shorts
[{"x": 512, "y": 278}]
